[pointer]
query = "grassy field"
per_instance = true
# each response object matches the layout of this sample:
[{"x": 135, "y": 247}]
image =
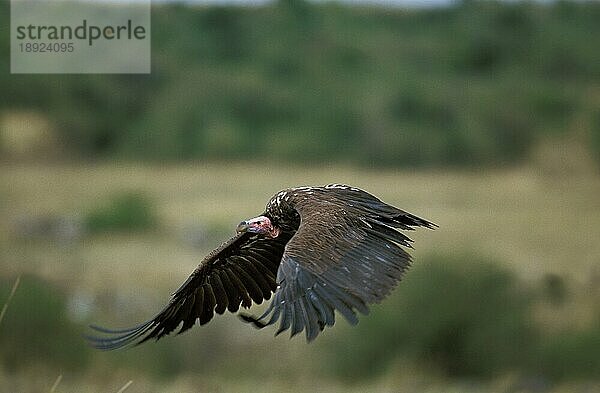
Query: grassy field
[{"x": 534, "y": 222}]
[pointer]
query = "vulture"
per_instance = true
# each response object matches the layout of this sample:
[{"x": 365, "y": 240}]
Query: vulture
[{"x": 317, "y": 250}]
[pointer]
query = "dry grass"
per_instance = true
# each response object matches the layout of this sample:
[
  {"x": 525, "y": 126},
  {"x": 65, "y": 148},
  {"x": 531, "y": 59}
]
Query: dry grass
[
  {"x": 10, "y": 296},
  {"x": 56, "y": 383},
  {"x": 538, "y": 223},
  {"x": 124, "y": 387}
]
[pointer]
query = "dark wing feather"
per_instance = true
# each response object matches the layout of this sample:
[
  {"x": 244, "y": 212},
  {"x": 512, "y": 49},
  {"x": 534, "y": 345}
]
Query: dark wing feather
[
  {"x": 345, "y": 255},
  {"x": 240, "y": 271}
]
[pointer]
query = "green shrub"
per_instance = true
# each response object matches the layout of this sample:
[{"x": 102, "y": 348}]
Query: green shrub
[
  {"x": 465, "y": 316},
  {"x": 297, "y": 81},
  {"x": 123, "y": 212},
  {"x": 595, "y": 142},
  {"x": 37, "y": 330},
  {"x": 571, "y": 355},
  {"x": 554, "y": 289}
]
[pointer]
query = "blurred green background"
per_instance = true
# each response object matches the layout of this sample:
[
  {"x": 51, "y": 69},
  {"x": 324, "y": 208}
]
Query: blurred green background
[{"x": 483, "y": 117}]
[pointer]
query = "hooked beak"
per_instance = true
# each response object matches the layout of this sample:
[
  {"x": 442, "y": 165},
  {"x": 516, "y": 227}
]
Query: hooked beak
[
  {"x": 258, "y": 224},
  {"x": 261, "y": 225},
  {"x": 243, "y": 227}
]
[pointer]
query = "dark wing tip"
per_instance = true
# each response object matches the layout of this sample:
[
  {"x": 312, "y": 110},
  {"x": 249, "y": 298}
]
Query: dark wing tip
[
  {"x": 118, "y": 338},
  {"x": 251, "y": 319},
  {"x": 413, "y": 221},
  {"x": 429, "y": 225},
  {"x": 242, "y": 279}
]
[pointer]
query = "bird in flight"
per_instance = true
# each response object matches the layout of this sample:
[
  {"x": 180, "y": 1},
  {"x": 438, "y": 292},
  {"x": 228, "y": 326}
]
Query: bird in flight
[{"x": 316, "y": 250}]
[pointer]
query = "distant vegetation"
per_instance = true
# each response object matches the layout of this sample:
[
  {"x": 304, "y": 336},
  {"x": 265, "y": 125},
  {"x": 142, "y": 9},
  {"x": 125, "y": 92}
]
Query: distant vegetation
[
  {"x": 465, "y": 317},
  {"x": 125, "y": 211},
  {"x": 478, "y": 83},
  {"x": 36, "y": 328}
]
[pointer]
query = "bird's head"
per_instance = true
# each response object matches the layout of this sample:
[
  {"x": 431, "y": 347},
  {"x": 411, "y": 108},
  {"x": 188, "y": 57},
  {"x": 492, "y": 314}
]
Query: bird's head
[{"x": 261, "y": 225}]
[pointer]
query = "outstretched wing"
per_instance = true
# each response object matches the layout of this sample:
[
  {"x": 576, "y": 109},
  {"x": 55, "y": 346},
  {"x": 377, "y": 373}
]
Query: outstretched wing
[
  {"x": 241, "y": 271},
  {"x": 346, "y": 254}
]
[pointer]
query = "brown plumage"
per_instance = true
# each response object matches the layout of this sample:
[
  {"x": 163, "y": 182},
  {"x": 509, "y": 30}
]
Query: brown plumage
[{"x": 318, "y": 249}]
